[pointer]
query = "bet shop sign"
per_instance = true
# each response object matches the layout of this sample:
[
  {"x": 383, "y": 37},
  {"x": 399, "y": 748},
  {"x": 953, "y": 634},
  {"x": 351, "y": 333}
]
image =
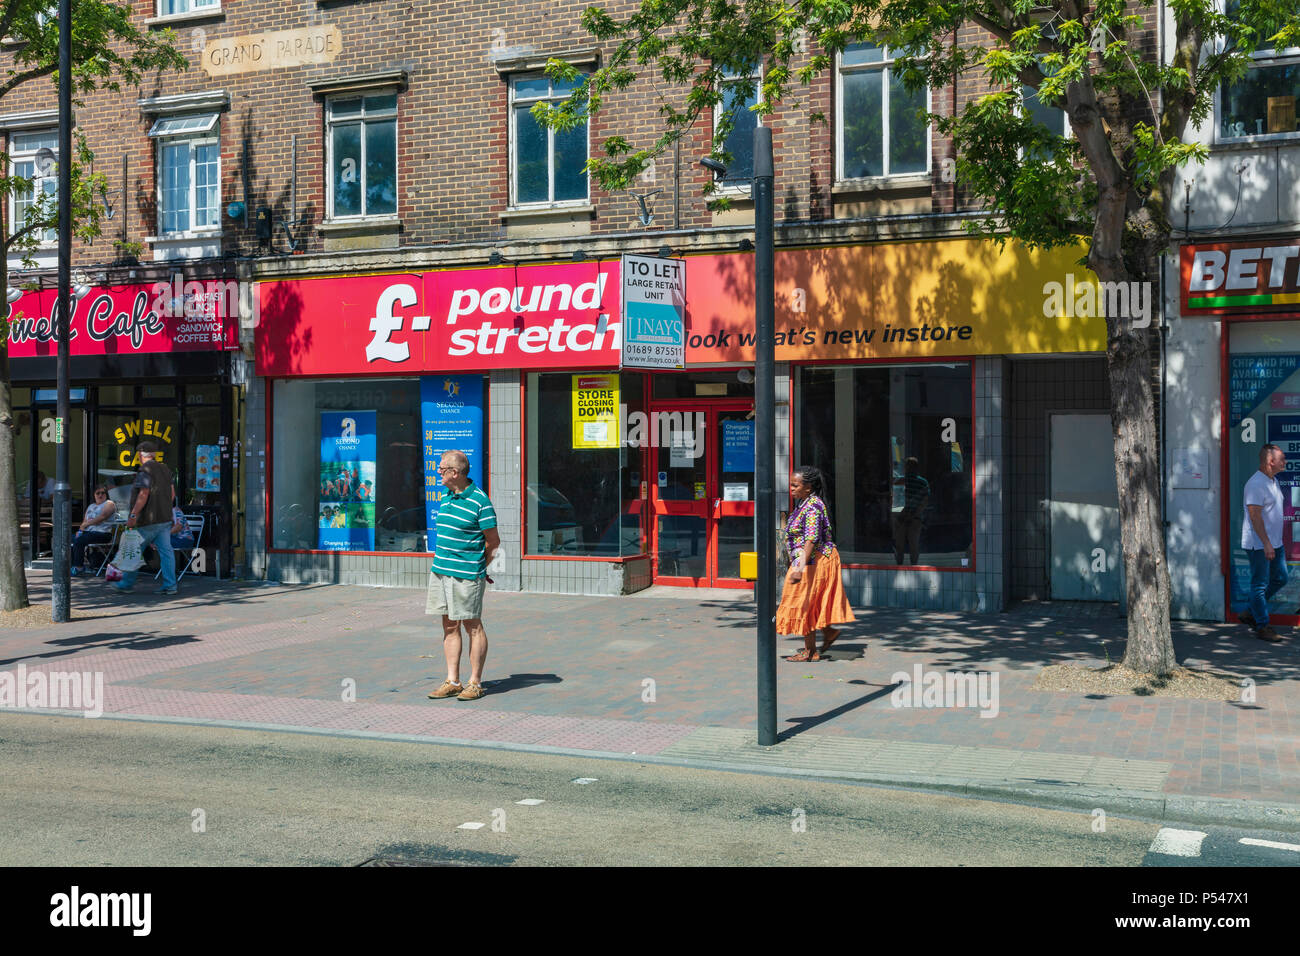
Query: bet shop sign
[{"x": 130, "y": 434}]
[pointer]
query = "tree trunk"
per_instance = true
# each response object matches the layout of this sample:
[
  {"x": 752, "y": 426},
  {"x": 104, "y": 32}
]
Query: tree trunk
[
  {"x": 1150, "y": 648},
  {"x": 13, "y": 579}
]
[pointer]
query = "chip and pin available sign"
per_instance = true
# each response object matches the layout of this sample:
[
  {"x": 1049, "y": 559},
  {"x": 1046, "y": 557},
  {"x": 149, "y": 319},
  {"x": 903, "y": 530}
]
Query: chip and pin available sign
[{"x": 654, "y": 312}]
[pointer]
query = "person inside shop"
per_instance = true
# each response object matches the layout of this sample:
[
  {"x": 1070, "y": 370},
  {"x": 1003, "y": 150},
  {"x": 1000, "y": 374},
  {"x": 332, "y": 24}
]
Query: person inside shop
[
  {"x": 93, "y": 528},
  {"x": 44, "y": 487},
  {"x": 907, "y": 523}
]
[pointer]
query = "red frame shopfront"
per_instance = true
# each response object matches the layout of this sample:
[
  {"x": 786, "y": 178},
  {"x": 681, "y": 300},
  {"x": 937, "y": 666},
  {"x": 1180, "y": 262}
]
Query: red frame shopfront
[
  {"x": 1243, "y": 284},
  {"x": 563, "y": 319}
]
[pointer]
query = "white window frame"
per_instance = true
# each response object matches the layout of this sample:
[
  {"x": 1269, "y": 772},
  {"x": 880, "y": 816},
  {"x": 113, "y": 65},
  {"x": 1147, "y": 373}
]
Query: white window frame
[
  {"x": 1263, "y": 59},
  {"x": 29, "y": 155},
  {"x": 1067, "y": 131},
  {"x": 191, "y": 8},
  {"x": 885, "y": 66},
  {"x": 361, "y": 119},
  {"x": 205, "y": 132},
  {"x": 740, "y": 188},
  {"x": 513, "y": 105}
]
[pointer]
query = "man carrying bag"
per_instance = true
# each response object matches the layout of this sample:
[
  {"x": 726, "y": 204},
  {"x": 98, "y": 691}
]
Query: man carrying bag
[{"x": 150, "y": 513}]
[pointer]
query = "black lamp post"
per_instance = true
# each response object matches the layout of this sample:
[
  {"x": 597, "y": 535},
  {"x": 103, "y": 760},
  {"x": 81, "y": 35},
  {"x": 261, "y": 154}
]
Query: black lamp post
[
  {"x": 765, "y": 431},
  {"x": 61, "y": 587},
  {"x": 764, "y": 422}
]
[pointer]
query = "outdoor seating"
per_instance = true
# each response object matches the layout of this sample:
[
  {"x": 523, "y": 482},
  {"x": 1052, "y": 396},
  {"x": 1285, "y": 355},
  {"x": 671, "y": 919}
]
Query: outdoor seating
[
  {"x": 195, "y": 524},
  {"x": 106, "y": 549}
]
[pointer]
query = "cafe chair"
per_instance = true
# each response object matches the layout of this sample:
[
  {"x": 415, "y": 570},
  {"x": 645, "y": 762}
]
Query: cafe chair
[
  {"x": 107, "y": 549},
  {"x": 195, "y": 523}
]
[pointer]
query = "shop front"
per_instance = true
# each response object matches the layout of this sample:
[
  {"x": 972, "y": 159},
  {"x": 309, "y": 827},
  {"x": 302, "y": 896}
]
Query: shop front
[
  {"x": 1253, "y": 288},
  {"x": 146, "y": 362},
  {"x": 892, "y": 362}
]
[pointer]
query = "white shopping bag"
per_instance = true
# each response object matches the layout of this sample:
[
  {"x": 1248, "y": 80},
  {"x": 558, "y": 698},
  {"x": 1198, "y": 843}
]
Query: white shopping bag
[{"x": 130, "y": 552}]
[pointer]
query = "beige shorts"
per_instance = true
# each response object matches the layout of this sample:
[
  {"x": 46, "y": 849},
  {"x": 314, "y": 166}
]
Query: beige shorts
[{"x": 455, "y": 598}]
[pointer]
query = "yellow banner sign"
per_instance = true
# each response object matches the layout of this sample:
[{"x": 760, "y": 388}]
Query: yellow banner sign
[{"x": 595, "y": 411}]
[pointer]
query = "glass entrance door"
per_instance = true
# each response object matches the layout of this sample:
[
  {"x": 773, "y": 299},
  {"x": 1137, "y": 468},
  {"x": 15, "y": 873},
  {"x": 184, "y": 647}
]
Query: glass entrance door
[
  {"x": 702, "y": 493},
  {"x": 36, "y": 498}
]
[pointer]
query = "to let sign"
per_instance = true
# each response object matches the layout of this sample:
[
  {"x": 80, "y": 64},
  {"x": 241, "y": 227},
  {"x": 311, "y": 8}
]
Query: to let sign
[{"x": 654, "y": 312}]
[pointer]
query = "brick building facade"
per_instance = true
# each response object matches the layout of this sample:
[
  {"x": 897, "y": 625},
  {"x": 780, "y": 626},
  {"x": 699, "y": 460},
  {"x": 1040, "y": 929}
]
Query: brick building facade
[{"x": 384, "y": 139}]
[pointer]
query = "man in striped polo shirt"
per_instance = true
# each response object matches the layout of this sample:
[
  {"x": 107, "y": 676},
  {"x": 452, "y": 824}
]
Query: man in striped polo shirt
[{"x": 467, "y": 542}]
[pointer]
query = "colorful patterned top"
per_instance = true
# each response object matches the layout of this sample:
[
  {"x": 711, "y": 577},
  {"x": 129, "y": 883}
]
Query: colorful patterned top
[{"x": 808, "y": 530}]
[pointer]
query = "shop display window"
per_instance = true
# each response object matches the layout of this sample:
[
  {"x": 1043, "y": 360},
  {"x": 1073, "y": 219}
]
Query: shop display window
[
  {"x": 1263, "y": 392},
  {"x": 584, "y": 486},
  {"x": 120, "y": 432},
  {"x": 363, "y": 503},
  {"x": 895, "y": 444}
]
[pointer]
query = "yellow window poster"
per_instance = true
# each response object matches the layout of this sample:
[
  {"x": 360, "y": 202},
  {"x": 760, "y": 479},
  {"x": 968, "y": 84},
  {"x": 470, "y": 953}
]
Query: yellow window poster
[{"x": 595, "y": 411}]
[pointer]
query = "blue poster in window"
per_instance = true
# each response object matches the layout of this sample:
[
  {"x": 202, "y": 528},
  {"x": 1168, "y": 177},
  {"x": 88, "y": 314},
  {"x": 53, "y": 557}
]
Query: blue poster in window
[
  {"x": 738, "y": 445},
  {"x": 346, "y": 520},
  {"x": 452, "y": 411}
]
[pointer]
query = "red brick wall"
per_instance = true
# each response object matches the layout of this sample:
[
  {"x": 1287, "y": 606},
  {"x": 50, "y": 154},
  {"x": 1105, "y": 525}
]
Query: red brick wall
[{"x": 452, "y": 122}]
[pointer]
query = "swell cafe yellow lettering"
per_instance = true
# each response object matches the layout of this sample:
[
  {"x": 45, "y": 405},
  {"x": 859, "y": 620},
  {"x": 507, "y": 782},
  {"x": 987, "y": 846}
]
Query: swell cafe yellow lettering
[{"x": 132, "y": 433}]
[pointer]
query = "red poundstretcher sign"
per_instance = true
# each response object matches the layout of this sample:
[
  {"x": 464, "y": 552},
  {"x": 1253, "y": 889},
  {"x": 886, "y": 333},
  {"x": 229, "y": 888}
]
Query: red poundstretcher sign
[
  {"x": 556, "y": 316},
  {"x": 132, "y": 319},
  {"x": 839, "y": 303}
]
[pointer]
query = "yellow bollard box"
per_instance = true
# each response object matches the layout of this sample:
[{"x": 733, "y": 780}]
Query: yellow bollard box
[{"x": 749, "y": 565}]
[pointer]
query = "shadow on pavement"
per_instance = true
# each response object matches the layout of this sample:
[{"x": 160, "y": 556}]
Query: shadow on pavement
[
  {"x": 808, "y": 723},
  {"x": 137, "y": 642},
  {"x": 521, "y": 681}
]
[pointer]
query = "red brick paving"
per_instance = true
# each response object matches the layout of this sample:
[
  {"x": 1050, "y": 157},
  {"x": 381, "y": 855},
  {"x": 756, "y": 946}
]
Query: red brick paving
[{"x": 561, "y": 674}]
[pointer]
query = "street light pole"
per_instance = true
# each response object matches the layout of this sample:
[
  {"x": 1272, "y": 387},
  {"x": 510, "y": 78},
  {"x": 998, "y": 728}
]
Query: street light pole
[
  {"x": 61, "y": 587},
  {"x": 765, "y": 431}
]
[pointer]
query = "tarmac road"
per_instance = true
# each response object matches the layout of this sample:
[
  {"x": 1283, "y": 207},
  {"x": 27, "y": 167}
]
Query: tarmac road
[{"x": 113, "y": 792}]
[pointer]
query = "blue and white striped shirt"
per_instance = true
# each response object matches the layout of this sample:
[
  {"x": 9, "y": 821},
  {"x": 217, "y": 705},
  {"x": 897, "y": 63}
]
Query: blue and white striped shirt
[{"x": 461, "y": 550}]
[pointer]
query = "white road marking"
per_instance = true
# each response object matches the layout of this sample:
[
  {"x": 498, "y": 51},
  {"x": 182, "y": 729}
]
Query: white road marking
[
  {"x": 471, "y": 826},
  {"x": 585, "y": 780},
  {"x": 530, "y": 802},
  {"x": 1177, "y": 842},
  {"x": 1277, "y": 846}
]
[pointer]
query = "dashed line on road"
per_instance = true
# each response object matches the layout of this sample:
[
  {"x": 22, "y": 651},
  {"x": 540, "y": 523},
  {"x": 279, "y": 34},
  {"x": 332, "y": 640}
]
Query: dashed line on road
[
  {"x": 1250, "y": 841},
  {"x": 530, "y": 802},
  {"x": 471, "y": 826},
  {"x": 584, "y": 780},
  {"x": 1172, "y": 842}
]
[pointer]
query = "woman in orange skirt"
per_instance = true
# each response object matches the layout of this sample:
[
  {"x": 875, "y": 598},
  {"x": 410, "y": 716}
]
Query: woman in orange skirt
[{"x": 813, "y": 599}]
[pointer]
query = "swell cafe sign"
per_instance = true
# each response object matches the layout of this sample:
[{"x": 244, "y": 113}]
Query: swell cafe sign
[
  {"x": 919, "y": 299},
  {"x": 172, "y": 316}
]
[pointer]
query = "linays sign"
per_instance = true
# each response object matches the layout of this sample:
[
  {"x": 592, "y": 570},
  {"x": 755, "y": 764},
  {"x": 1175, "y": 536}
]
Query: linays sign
[{"x": 1221, "y": 278}]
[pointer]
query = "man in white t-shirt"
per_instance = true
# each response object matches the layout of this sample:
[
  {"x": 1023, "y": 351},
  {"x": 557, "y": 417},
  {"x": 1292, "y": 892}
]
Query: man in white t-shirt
[{"x": 1261, "y": 537}]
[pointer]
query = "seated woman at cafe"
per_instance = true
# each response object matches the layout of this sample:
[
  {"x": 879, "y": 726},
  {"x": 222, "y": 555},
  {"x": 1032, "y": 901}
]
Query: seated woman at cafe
[
  {"x": 92, "y": 529},
  {"x": 182, "y": 536}
]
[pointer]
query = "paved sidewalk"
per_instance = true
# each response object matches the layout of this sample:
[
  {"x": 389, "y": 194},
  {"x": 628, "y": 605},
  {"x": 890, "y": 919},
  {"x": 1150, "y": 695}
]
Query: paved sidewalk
[{"x": 669, "y": 676}]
